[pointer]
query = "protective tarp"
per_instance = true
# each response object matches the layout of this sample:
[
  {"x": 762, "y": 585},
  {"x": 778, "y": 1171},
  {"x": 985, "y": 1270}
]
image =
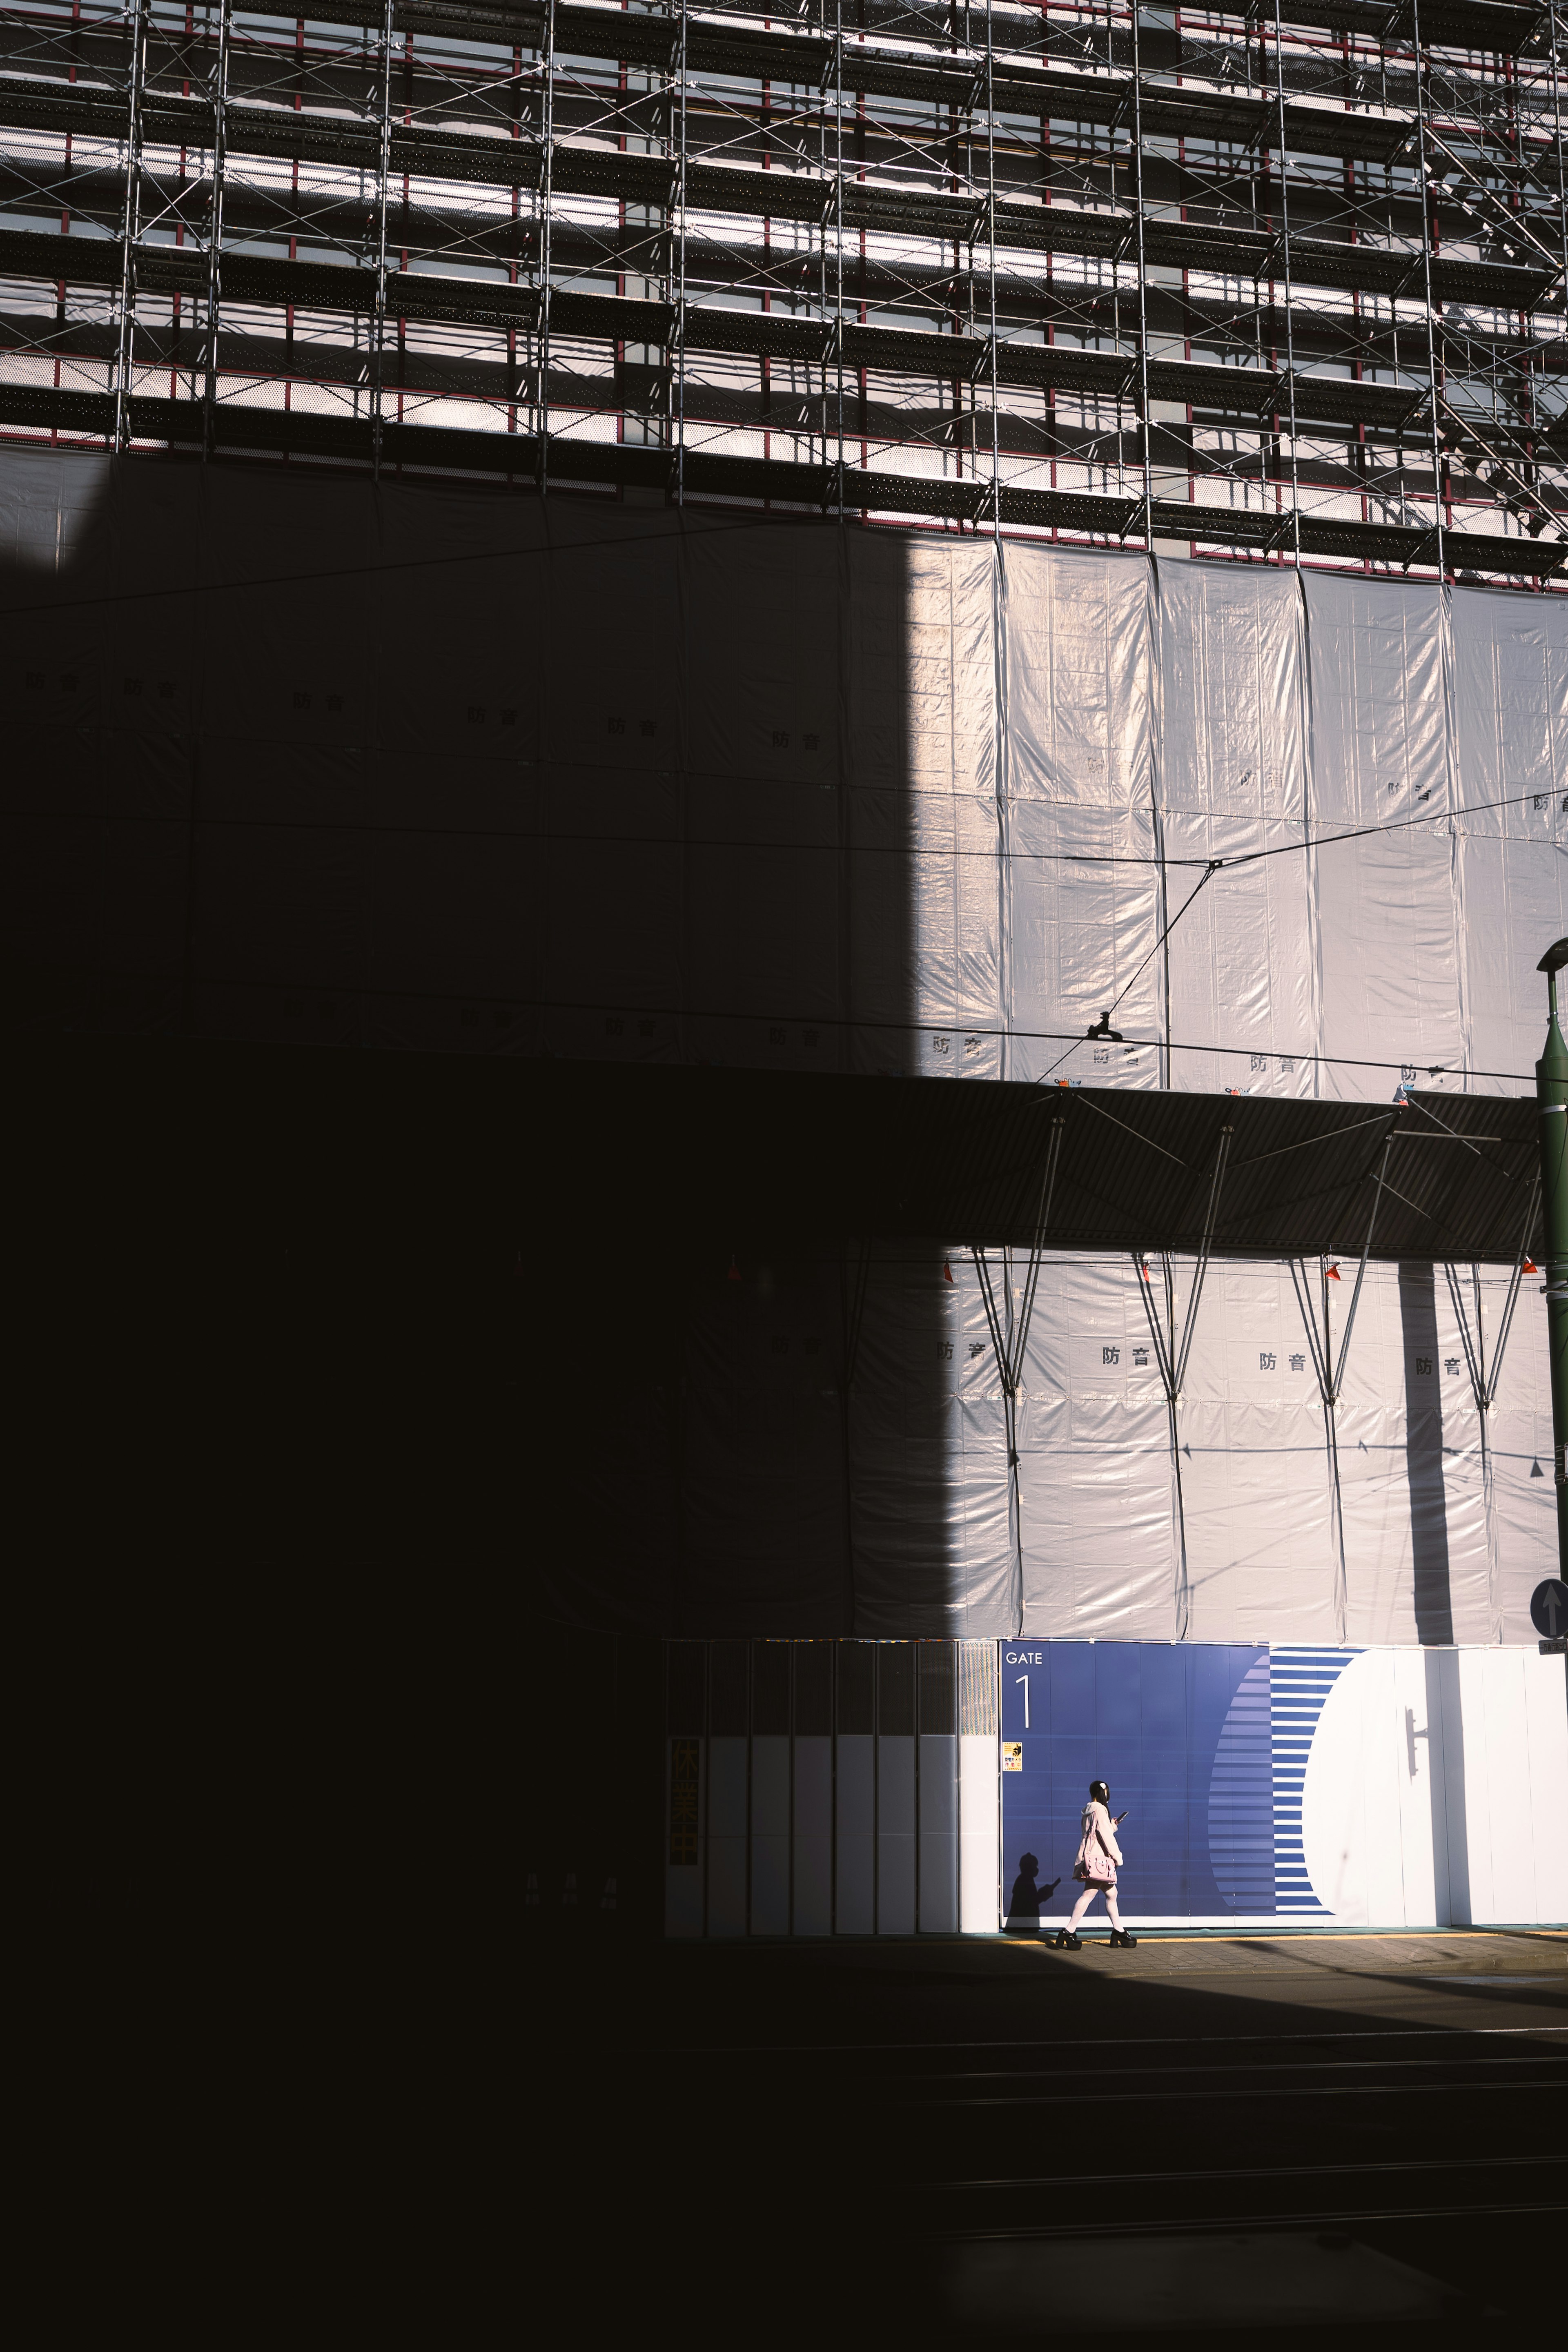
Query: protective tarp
[
  {"x": 1257, "y": 1480},
  {"x": 1097, "y": 1501},
  {"x": 934, "y": 1549},
  {"x": 923, "y": 877},
  {"x": 1081, "y": 872},
  {"x": 766, "y": 1535},
  {"x": 1510, "y": 737},
  {"x": 1238, "y": 970},
  {"x": 1386, "y": 899},
  {"x": 305, "y": 760}
]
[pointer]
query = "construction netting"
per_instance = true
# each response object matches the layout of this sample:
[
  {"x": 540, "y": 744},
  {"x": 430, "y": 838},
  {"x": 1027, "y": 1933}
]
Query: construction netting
[{"x": 319, "y": 759}]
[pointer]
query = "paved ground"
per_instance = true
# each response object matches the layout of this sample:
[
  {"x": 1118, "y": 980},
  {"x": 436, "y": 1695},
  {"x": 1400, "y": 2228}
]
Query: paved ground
[{"x": 945, "y": 2142}]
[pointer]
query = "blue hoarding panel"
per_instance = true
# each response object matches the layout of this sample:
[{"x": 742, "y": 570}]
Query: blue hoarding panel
[{"x": 1182, "y": 1736}]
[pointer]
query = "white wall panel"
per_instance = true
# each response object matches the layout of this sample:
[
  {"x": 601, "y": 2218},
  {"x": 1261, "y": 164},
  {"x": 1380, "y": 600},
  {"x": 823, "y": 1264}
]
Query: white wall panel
[
  {"x": 979, "y": 1827},
  {"x": 1422, "y": 1804},
  {"x": 938, "y": 1833},
  {"x": 895, "y": 1835},
  {"x": 1432, "y": 1792},
  {"x": 1445, "y": 1696},
  {"x": 727, "y": 1823},
  {"x": 856, "y": 1795},
  {"x": 1497, "y": 1680},
  {"x": 770, "y": 1834},
  {"x": 684, "y": 1882},
  {"x": 812, "y": 1912},
  {"x": 1334, "y": 1800},
  {"x": 1419, "y": 1781},
  {"x": 1546, "y": 1737},
  {"x": 1383, "y": 1812}
]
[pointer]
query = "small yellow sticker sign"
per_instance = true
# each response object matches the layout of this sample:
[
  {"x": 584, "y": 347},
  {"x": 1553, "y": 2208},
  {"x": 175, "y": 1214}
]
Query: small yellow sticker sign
[{"x": 1012, "y": 1756}]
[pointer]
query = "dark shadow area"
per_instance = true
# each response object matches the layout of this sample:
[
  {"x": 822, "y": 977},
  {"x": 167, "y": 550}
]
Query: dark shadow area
[
  {"x": 953, "y": 2145},
  {"x": 1424, "y": 1454},
  {"x": 361, "y": 846},
  {"x": 1027, "y": 1897}
]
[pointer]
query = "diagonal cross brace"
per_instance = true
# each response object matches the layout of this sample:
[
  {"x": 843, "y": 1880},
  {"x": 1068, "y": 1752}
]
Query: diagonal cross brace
[
  {"x": 1010, "y": 1360},
  {"x": 1172, "y": 1358},
  {"x": 1484, "y": 1380},
  {"x": 1319, "y": 1348},
  {"x": 1339, "y": 1370}
]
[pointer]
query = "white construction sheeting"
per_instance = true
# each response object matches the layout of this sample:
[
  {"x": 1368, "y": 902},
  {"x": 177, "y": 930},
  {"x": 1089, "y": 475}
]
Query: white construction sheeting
[{"x": 622, "y": 783}]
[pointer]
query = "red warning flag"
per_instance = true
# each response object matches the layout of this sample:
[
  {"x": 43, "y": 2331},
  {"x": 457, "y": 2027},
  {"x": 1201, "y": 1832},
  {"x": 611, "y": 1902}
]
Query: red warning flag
[
  {"x": 1334, "y": 1275},
  {"x": 1143, "y": 1269},
  {"x": 1530, "y": 1267},
  {"x": 946, "y": 1271}
]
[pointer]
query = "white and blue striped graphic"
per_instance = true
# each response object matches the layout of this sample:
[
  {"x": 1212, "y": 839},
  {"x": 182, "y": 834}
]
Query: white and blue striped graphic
[
  {"x": 1299, "y": 1682},
  {"x": 1241, "y": 1841}
]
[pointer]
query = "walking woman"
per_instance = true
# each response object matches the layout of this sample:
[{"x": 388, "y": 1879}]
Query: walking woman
[{"x": 1098, "y": 1856}]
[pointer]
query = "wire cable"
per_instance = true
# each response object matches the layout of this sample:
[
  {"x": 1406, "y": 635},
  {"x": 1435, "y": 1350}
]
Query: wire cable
[{"x": 1213, "y": 867}]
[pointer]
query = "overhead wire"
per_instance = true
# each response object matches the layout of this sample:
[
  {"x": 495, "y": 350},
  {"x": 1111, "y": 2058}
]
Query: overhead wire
[
  {"x": 821, "y": 1020},
  {"x": 1210, "y": 871}
]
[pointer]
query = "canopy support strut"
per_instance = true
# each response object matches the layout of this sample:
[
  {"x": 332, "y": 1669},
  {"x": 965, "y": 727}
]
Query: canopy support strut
[
  {"x": 1331, "y": 1377},
  {"x": 1484, "y": 1378},
  {"x": 1010, "y": 1341},
  {"x": 1171, "y": 1353}
]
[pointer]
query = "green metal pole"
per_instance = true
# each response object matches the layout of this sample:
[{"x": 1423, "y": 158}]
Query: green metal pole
[{"x": 1551, "y": 1101}]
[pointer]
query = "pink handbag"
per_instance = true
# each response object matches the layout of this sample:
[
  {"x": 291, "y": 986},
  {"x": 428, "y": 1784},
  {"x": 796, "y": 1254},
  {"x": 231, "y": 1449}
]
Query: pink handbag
[{"x": 1093, "y": 1865}]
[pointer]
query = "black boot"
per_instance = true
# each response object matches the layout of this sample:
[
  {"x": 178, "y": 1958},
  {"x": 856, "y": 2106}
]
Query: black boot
[
  {"x": 1120, "y": 1936},
  {"x": 1067, "y": 1941}
]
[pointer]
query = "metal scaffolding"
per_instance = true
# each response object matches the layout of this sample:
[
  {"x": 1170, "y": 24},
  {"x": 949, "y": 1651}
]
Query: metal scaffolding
[{"x": 1286, "y": 283}]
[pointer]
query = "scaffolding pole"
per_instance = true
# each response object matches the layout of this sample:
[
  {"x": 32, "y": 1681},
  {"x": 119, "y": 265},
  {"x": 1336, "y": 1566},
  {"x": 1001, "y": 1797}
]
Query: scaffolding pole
[
  {"x": 378, "y": 328},
  {"x": 218, "y": 85},
  {"x": 546, "y": 212},
  {"x": 955, "y": 264},
  {"x": 137, "y": 17}
]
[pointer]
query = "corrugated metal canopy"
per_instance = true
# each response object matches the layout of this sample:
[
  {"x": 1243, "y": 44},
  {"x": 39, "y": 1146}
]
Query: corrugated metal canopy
[
  {"x": 753, "y": 1157},
  {"x": 1136, "y": 1171}
]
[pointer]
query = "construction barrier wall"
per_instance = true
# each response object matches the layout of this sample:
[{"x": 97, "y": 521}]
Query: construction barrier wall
[{"x": 861, "y": 1789}]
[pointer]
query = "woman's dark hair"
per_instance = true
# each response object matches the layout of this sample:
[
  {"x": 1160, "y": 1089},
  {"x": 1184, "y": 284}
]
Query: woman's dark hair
[{"x": 1098, "y": 1788}]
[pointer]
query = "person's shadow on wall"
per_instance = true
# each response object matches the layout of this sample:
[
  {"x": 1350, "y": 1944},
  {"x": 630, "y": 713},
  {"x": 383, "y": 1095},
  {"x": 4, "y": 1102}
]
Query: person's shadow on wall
[{"x": 1024, "y": 1903}]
